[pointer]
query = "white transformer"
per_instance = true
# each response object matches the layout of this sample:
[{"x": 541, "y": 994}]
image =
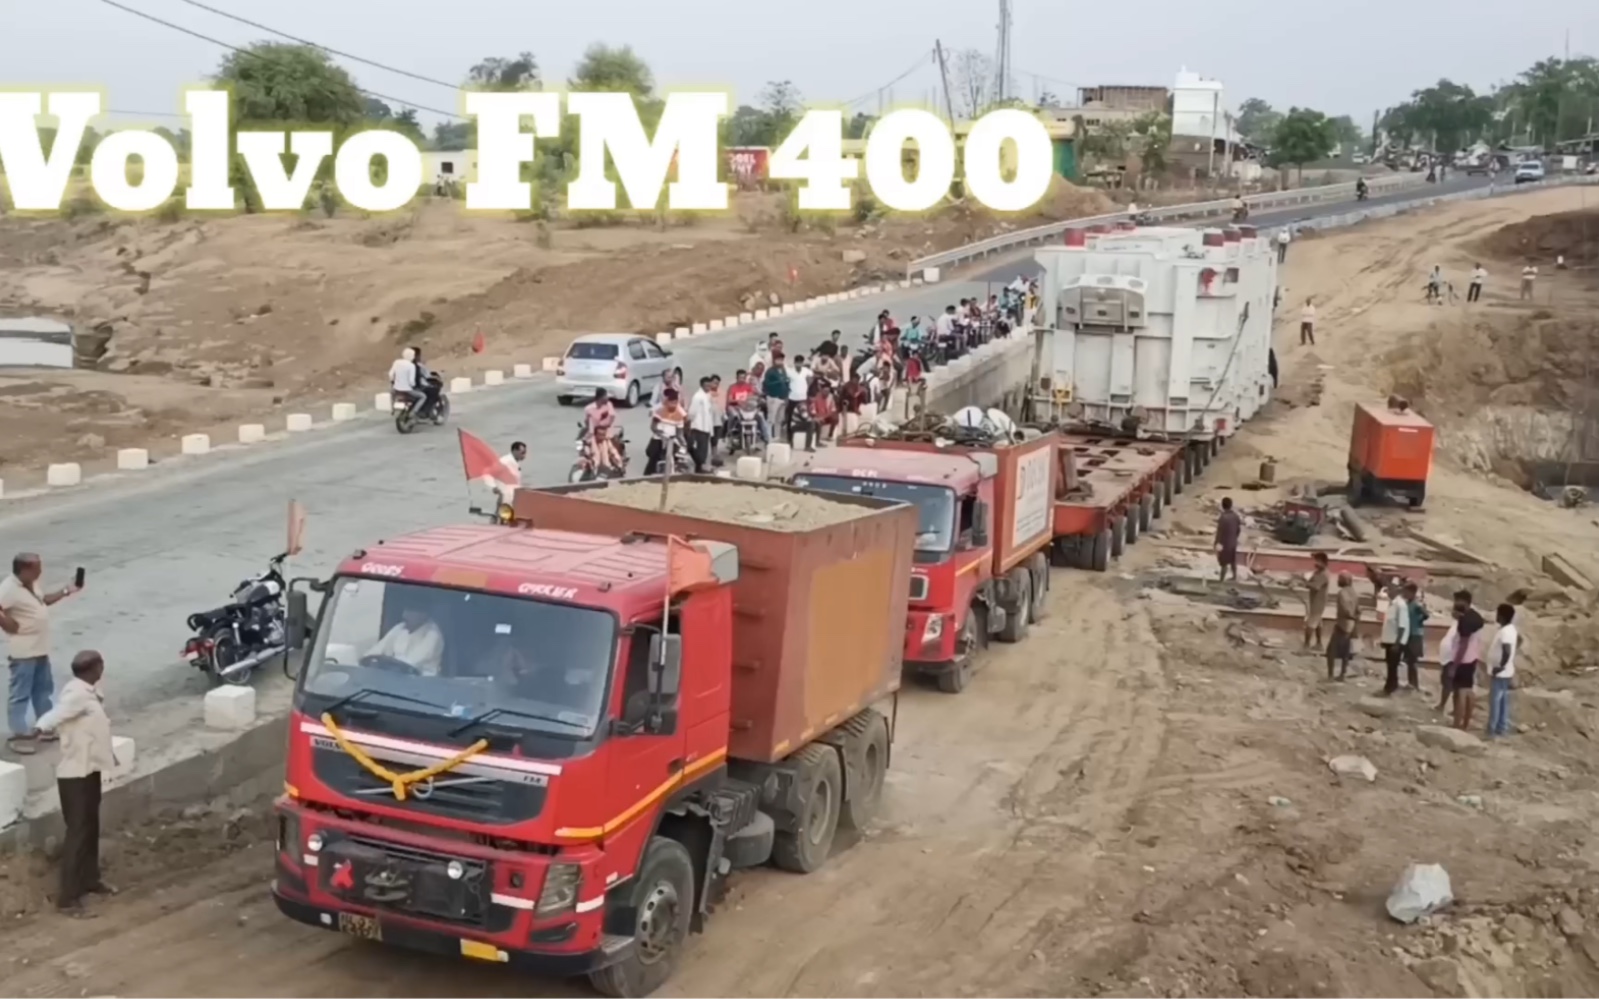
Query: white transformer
[{"x": 1169, "y": 326}]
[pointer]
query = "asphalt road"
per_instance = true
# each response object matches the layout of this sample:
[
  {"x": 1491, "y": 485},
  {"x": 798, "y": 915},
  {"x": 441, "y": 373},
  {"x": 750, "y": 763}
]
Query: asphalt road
[{"x": 161, "y": 544}]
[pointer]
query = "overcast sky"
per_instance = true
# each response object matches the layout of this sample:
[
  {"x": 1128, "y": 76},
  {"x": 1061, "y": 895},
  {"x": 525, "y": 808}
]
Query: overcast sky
[{"x": 1346, "y": 57}]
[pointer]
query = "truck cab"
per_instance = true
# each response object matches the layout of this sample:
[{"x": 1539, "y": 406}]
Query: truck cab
[{"x": 486, "y": 728}]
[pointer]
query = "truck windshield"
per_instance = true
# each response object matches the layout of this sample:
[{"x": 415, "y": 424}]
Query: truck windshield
[
  {"x": 935, "y": 505},
  {"x": 461, "y": 653}
]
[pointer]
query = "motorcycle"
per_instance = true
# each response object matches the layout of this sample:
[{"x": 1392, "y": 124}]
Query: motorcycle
[
  {"x": 409, "y": 412},
  {"x": 230, "y": 641},
  {"x": 676, "y": 450},
  {"x": 588, "y": 466},
  {"x": 1361, "y": 194},
  {"x": 1241, "y": 213},
  {"x": 744, "y": 432}
]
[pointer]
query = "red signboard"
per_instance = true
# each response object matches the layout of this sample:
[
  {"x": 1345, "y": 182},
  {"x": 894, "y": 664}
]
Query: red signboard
[{"x": 746, "y": 165}]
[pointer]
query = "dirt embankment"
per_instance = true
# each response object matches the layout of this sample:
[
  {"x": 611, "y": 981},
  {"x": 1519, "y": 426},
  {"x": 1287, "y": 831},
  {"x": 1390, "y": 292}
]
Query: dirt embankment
[{"x": 1543, "y": 238}]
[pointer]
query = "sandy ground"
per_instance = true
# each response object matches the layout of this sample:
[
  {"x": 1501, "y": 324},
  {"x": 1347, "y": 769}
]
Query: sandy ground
[
  {"x": 1135, "y": 801},
  {"x": 212, "y": 318}
]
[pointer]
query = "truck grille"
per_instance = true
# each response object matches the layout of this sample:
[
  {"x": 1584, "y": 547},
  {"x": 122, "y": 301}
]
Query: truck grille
[
  {"x": 918, "y": 587},
  {"x": 409, "y": 880},
  {"x": 458, "y": 794}
]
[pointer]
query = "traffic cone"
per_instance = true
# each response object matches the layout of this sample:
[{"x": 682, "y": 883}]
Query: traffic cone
[{"x": 478, "y": 342}]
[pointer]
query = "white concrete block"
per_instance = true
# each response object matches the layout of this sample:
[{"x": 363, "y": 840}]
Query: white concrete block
[
  {"x": 761, "y": 314},
  {"x": 460, "y": 386},
  {"x": 750, "y": 467},
  {"x": 13, "y": 792},
  {"x": 522, "y": 371},
  {"x": 916, "y": 282},
  {"x": 126, "y": 756},
  {"x": 131, "y": 459},
  {"x": 730, "y": 322},
  {"x": 68, "y": 473},
  {"x": 493, "y": 377},
  {"x": 2, "y": 487},
  {"x": 196, "y": 443},
  {"x": 552, "y": 363},
  {"x": 255, "y": 433},
  {"x": 788, "y": 307},
  {"x": 698, "y": 329},
  {"x": 663, "y": 338},
  {"x": 905, "y": 284},
  {"x": 930, "y": 274},
  {"x": 343, "y": 411},
  {"x": 801, "y": 440},
  {"x": 230, "y": 708},
  {"x": 682, "y": 331},
  {"x": 746, "y": 317},
  {"x": 298, "y": 423},
  {"x": 714, "y": 326},
  {"x": 832, "y": 298},
  {"x": 778, "y": 454},
  {"x": 382, "y": 401},
  {"x": 722, "y": 473}
]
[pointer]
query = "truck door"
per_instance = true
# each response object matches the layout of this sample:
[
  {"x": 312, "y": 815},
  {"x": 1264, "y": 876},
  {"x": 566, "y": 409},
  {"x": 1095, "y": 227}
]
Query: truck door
[{"x": 641, "y": 762}]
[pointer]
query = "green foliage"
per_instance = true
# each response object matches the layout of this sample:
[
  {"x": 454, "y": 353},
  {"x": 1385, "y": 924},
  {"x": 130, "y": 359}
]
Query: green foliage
[
  {"x": 452, "y": 136},
  {"x": 1302, "y": 136},
  {"x": 613, "y": 70},
  {"x": 1350, "y": 137},
  {"x": 275, "y": 81},
  {"x": 858, "y": 126},
  {"x": 1257, "y": 121},
  {"x": 1445, "y": 117},
  {"x": 1154, "y": 140},
  {"x": 520, "y": 72},
  {"x": 1107, "y": 142},
  {"x": 1552, "y": 101}
]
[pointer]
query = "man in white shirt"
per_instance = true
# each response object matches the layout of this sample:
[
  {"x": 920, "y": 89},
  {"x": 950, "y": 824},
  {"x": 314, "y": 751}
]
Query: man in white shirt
[
  {"x": 1529, "y": 274},
  {"x": 25, "y": 619},
  {"x": 402, "y": 376},
  {"x": 1307, "y": 324},
  {"x": 1283, "y": 238},
  {"x": 1502, "y": 667},
  {"x": 512, "y": 460},
  {"x": 86, "y": 757},
  {"x": 1479, "y": 274},
  {"x": 701, "y": 426},
  {"x": 415, "y": 641},
  {"x": 1395, "y": 635},
  {"x": 799, "y": 393},
  {"x": 944, "y": 326},
  {"x": 763, "y": 351}
]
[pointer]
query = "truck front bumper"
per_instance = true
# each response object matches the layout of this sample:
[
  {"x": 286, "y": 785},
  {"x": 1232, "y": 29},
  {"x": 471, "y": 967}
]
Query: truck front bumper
[{"x": 401, "y": 933}]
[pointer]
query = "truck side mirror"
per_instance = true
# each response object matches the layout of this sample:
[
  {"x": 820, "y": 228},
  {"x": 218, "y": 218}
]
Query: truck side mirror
[
  {"x": 666, "y": 665},
  {"x": 980, "y": 524},
  {"x": 295, "y": 619}
]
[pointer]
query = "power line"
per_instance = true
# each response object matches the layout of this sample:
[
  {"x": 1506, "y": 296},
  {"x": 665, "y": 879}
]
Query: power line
[
  {"x": 921, "y": 61},
  {"x": 243, "y": 51},
  {"x": 331, "y": 51}
]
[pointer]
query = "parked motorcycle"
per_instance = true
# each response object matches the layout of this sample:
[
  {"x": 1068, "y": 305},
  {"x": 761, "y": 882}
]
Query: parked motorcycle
[
  {"x": 230, "y": 641},
  {"x": 410, "y": 412},
  {"x": 743, "y": 432},
  {"x": 588, "y": 465}
]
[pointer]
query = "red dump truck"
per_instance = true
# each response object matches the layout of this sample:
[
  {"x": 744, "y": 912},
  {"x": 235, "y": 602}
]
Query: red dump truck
[
  {"x": 548, "y": 745},
  {"x": 981, "y": 567}
]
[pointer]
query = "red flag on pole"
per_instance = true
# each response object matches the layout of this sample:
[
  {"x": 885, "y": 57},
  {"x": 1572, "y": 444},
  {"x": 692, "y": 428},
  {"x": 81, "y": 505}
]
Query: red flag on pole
[
  {"x": 480, "y": 462},
  {"x": 687, "y": 568}
]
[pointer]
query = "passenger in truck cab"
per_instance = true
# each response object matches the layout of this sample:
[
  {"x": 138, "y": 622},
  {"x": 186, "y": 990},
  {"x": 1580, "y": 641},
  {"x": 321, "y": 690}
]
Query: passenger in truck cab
[{"x": 415, "y": 641}]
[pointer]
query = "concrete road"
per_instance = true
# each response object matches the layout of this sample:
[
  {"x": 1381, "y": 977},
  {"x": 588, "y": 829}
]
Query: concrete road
[{"x": 161, "y": 544}]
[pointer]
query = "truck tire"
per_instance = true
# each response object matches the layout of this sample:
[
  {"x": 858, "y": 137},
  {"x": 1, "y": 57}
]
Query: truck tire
[
  {"x": 1171, "y": 484},
  {"x": 663, "y": 895},
  {"x": 1019, "y": 615},
  {"x": 822, "y": 791},
  {"x": 1099, "y": 554},
  {"x": 1040, "y": 569},
  {"x": 1131, "y": 523},
  {"x": 867, "y": 743},
  {"x": 1118, "y": 537},
  {"x": 1065, "y": 553},
  {"x": 1146, "y": 512},
  {"x": 972, "y": 636},
  {"x": 1157, "y": 496}
]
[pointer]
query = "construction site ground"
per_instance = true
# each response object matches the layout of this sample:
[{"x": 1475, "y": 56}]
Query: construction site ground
[{"x": 1137, "y": 800}]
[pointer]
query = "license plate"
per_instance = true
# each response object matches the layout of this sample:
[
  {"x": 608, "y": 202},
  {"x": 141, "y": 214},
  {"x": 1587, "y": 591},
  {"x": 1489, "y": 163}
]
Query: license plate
[{"x": 365, "y": 927}]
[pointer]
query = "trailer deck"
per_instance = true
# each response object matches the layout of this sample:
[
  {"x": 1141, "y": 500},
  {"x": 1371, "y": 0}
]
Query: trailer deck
[{"x": 1121, "y": 486}]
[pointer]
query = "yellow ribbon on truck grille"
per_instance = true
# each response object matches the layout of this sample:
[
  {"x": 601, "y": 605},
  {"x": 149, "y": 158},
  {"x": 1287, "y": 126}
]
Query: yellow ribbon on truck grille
[{"x": 400, "y": 782}]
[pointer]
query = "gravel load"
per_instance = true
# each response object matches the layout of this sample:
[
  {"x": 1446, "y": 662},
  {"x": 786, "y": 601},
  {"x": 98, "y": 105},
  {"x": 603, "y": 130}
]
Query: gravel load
[{"x": 756, "y": 506}]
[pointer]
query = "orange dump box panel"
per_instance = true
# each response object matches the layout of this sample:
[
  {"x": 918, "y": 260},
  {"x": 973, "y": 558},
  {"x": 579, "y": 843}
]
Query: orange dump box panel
[
  {"x": 1392, "y": 446},
  {"x": 819, "y": 604},
  {"x": 1113, "y": 476}
]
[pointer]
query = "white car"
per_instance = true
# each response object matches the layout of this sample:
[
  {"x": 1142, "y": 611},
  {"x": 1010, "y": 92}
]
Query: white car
[
  {"x": 626, "y": 365},
  {"x": 1529, "y": 172}
]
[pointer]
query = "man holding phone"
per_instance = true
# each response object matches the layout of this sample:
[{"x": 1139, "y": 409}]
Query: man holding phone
[{"x": 25, "y": 619}]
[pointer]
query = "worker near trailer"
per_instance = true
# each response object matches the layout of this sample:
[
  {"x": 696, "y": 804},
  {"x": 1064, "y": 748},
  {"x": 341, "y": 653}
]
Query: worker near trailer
[
  {"x": 1502, "y": 661},
  {"x": 1307, "y": 323},
  {"x": 1461, "y": 652},
  {"x": 1316, "y": 598},
  {"x": 1395, "y": 634},
  {"x": 701, "y": 426},
  {"x": 1415, "y": 644},
  {"x": 1284, "y": 237},
  {"x": 1229, "y": 528},
  {"x": 1346, "y": 616}
]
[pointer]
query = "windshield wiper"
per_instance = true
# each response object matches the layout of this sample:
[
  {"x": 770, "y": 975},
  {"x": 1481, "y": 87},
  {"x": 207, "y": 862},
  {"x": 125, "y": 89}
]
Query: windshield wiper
[
  {"x": 496, "y": 712},
  {"x": 365, "y": 692}
]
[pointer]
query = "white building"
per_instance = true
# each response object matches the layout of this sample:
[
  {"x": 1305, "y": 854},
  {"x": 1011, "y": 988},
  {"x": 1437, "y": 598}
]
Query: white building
[
  {"x": 1199, "y": 108},
  {"x": 459, "y": 165}
]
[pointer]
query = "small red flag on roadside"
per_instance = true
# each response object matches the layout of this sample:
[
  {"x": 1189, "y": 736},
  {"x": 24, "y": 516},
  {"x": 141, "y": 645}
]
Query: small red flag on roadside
[{"x": 478, "y": 342}]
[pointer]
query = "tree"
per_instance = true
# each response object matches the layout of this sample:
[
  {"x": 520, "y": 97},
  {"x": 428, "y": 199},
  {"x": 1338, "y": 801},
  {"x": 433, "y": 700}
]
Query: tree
[
  {"x": 613, "y": 70},
  {"x": 1348, "y": 135},
  {"x": 971, "y": 82},
  {"x": 275, "y": 81},
  {"x": 1257, "y": 120},
  {"x": 1154, "y": 140},
  {"x": 783, "y": 104},
  {"x": 1107, "y": 142},
  {"x": 495, "y": 73},
  {"x": 452, "y": 135},
  {"x": 1446, "y": 116},
  {"x": 1553, "y": 100},
  {"x": 1302, "y": 136},
  {"x": 378, "y": 110},
  {"x": 856, "y": 127}
]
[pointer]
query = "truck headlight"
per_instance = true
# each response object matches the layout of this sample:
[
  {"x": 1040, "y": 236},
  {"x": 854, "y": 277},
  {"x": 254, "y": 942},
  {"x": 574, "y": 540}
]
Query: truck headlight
[
  {"x": 313, "y": 843},
  {"x": 560, "y": 889},
  {"x": 933, "y": 630},
  {"x": 455, "y": 870}
]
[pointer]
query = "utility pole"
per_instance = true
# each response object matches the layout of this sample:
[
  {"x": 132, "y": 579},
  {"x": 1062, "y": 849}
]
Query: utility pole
[
  {"x": 943, "y": 74},
  {"x": 1002, "y": 67},
  {"x": 1215, "y": 108},
  {"x": 1376, "y": 116}
]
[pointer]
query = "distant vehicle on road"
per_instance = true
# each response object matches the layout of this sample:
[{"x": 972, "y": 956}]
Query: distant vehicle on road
[
  {"x": 624, "y": 364},
  {"x": 1529, "y": 172}
]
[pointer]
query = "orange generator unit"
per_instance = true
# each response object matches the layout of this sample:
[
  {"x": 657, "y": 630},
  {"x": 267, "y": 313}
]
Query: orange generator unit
[{"x": 1390, "y": 453}]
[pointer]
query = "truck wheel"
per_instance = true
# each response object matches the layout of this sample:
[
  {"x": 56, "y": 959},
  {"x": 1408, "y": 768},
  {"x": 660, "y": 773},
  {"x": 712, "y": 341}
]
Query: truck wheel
[
  {"x": 1157, "y": 500},
  {"x": 1099, "y": 555},
  {"x": 1019, "y": 615},
  {"x": 1040, "y": 571},
  {"x": 967, "y": 644},
  {"x": 822, "y": 785},
  {"x": 664, "y": 896},
  {"x": 1118, "y": 537},
  {"x": 1146, "y": 513},
  {"x": 866, "y": 783},
  {"x": 1132, "y": 524},
  {"x": 1189, "y": 466},
  {"x": 1170, "y": 484},
  {"x": 1064, "y": 553}
]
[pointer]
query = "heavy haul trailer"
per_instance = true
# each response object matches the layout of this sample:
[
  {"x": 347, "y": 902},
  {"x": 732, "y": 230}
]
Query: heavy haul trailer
[
  {"x": 588, "y": 720},
  {"x": 1119, "y": 487},
  {"x": 981, "y": 563},
  {"x": 1164, "y": 332}
]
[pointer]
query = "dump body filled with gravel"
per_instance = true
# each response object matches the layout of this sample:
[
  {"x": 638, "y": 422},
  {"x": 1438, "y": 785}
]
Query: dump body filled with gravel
[{"x": 757, "y": 506}]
